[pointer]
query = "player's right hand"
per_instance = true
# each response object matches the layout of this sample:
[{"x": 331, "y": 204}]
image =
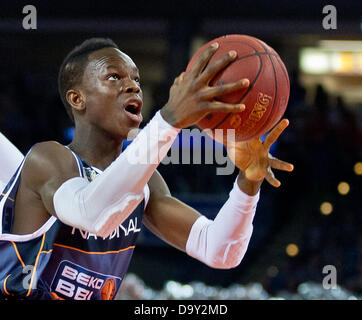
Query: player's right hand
[{"x": 192, "y": 98}]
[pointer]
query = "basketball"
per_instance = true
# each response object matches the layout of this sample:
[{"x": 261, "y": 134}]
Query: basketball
[{"x": 265, "y": 99}]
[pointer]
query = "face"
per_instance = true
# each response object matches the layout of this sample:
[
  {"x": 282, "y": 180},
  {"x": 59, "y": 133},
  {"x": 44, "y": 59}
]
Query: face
[{"x": 112, "y": 92}]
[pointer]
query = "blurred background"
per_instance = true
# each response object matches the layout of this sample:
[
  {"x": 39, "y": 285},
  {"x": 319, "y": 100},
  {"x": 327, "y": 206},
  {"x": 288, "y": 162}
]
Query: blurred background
[{"x": 312, "y": 220}]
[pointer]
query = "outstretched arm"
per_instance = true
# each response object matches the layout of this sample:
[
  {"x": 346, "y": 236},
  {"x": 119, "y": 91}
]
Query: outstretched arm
[
  {"x": 10, "y": 159},
  {"x": 223, "y": 242}
]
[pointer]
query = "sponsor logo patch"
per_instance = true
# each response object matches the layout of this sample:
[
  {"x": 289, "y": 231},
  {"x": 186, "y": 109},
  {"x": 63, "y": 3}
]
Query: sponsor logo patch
[{"x": 72, "y": 281}]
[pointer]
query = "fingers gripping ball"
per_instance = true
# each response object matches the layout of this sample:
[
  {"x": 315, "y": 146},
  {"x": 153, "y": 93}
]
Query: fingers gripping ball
[{"x": 266, "y": 97}]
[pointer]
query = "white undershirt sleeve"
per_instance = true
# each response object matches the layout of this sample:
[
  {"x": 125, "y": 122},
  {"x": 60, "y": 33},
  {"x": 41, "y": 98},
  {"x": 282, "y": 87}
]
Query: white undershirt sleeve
[
  {"x": 222, "y": 243},
  {"x": 101, "y": 205}
]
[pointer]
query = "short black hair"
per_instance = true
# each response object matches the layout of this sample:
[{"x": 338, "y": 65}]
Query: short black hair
[{"x": 73, "y": 66}]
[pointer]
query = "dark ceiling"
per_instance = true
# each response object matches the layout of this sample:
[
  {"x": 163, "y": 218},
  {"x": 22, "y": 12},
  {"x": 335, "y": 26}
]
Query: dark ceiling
[{"x": 196, "y": 9}]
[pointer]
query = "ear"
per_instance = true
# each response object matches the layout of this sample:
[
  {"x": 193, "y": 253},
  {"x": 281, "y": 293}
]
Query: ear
[{"x": 76, "y": 99}]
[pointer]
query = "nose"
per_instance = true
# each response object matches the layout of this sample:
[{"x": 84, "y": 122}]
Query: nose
[{"x": 131, "y": 86}]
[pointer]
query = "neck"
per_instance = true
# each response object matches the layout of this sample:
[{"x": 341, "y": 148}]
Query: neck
[{"x": 98, "y": 150}]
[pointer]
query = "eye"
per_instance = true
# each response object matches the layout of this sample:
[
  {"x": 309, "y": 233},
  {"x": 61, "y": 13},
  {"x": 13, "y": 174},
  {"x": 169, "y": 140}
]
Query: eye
[
  {"x": 113, "y": 77},
  {"x": 137, "y": 79}
]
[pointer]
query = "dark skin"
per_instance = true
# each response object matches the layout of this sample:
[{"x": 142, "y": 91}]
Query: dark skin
[{"x": 110, "y": 79}]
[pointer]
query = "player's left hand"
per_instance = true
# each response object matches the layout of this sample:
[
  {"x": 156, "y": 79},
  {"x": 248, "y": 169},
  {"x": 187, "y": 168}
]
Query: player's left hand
[{"x": 254, "y": 159}]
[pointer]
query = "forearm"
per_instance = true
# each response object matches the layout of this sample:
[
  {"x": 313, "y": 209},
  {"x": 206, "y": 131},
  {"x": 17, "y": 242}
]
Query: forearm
[
  {"x": 107, "y": 201},
  {"x": 222, "y": 243}
]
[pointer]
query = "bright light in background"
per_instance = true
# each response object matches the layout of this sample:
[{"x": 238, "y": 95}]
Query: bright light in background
[
  {"x": 341, "y": 45},
  {"x": 292, "y": 250},
  {"x": 346, "y": 62},
  {"x": 314, "y": 61},
  {"x": 343, "y": 188},
  {"x": 332, "y": 57},
  {"x": 336, "y": 62},
  {"x": 326, "y": 208},
  {"x": 358, "y": 168},
  {"x": 178, "y": 290}
]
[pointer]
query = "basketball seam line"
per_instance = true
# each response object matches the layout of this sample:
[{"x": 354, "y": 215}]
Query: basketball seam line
[
  {"x": 284, "y": 70},
  {"x": 251, "y": 84},
  {"x": 275, "y": 93},
  {"x": 257, "y": 53}
]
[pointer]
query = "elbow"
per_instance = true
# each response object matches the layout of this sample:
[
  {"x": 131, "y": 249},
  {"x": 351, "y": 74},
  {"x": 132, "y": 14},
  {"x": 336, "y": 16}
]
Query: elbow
[
  {"x": 230, "y": 260},
  {"x": 231, "y": 255}
]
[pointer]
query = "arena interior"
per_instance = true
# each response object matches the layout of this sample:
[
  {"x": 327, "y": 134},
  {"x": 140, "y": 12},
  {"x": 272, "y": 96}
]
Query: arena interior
[{"x": 312, "y": 221}]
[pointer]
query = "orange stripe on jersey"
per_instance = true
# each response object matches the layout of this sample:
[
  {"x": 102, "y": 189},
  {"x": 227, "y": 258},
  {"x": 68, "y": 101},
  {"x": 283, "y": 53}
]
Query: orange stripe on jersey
[
  {"x": 89, "y": 252},
  {"x": 36, "y": 264},
  {"x": 11, "y": 199},
  {"x": 6, "y": 279},
  {"x": 46, "y": 251},
  {"x": 18, "y": 254},
  {"x": 55, "y": 296}
]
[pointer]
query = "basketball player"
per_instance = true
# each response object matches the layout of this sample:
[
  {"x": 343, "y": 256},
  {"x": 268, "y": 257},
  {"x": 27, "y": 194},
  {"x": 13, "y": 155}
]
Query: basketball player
[{"x": 70, "y": 215}]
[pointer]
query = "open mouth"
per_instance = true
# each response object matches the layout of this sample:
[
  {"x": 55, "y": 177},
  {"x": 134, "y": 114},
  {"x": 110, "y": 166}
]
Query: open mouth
[{"x": 133, "y": 109}]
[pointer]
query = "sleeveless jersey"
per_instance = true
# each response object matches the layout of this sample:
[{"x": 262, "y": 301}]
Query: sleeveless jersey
[{"x": 61, "y": 262}]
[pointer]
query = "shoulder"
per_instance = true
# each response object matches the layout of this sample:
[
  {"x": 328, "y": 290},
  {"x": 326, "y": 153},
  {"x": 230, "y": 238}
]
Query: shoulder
[
  {"x": 49, "y": 158},
  {"x": 47, "y": 149},
  {"x": 49, "y": 154}
]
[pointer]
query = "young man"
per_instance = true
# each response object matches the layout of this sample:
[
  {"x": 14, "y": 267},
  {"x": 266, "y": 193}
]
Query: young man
[{"x": 71, "y": 214}]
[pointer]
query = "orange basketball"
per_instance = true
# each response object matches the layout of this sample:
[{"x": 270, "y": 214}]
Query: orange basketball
[{"x": 265, "y": 99}]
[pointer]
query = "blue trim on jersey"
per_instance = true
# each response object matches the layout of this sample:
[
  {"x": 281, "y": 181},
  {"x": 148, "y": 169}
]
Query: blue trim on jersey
[{"x": 8, "y": 212}]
